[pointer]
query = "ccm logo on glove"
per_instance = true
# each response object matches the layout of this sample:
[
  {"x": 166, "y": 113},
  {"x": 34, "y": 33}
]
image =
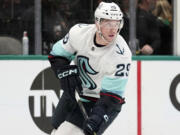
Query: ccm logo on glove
[{"x": 66, "y": 73}]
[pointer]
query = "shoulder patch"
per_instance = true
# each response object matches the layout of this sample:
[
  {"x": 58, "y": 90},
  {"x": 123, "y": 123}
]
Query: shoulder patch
[
  {"x": 120, "y": 50},
  {"x": 65, "y": 39}
]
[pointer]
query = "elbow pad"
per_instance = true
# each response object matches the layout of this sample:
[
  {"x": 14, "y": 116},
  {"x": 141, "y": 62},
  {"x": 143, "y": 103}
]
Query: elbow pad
[{"x": 111, "y": 101}]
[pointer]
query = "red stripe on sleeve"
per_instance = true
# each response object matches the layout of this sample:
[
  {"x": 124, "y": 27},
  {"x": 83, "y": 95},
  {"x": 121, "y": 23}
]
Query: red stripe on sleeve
[{"x": 116, "y": 97}]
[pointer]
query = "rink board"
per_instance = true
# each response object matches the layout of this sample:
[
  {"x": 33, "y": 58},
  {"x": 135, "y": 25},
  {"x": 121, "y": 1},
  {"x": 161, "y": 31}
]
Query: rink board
[{"x": 29, "y": 92}]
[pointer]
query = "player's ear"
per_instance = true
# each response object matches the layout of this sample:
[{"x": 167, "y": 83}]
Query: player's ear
[{"x": 97, "y": 25}]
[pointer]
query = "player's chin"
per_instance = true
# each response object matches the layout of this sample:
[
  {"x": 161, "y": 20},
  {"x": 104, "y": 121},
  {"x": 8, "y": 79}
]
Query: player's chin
[{"x": 111, "y": 38}]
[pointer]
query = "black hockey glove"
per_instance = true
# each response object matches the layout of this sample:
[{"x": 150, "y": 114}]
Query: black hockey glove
[
  {"x": 107, "y": 104},
  {"x": 92, "y": 124},
  {"x": 69, "y": 79}
]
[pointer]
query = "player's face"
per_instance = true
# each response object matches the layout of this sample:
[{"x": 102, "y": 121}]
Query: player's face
[{"x": 109, "y": 29}]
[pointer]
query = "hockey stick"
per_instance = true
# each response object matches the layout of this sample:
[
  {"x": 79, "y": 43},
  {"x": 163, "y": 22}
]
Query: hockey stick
[{"x": 81, "y": 106}]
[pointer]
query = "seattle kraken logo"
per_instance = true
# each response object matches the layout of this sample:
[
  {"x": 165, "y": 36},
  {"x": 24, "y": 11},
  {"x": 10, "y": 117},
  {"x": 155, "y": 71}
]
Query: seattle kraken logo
[
  {"x": 120, "y": 51},
  {"x": 84, "y": 70}
]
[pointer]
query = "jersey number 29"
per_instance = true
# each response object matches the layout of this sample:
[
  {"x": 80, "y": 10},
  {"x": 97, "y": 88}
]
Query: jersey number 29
[{"x": 122, "y": 70}]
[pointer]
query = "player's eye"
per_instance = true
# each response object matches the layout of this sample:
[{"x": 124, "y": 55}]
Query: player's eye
[{"x": 111, "y": 24}]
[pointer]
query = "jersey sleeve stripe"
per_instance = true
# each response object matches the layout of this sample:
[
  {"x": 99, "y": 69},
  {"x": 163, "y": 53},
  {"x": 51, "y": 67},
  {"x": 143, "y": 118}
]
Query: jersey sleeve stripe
[
  {"x": 114, "y": 85},
  {"x": 58, "y": 50},
  {"x": 120, "y": 99}
]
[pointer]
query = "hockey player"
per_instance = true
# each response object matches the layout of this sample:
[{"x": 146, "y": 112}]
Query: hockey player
[{"x": 102, "y": 63}]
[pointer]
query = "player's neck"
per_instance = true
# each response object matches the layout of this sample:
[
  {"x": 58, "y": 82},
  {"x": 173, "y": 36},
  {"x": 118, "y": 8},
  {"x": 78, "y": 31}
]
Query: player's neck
[
  {"x": 97, "y": 44},
  {"x": 99, "y": 40}
]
